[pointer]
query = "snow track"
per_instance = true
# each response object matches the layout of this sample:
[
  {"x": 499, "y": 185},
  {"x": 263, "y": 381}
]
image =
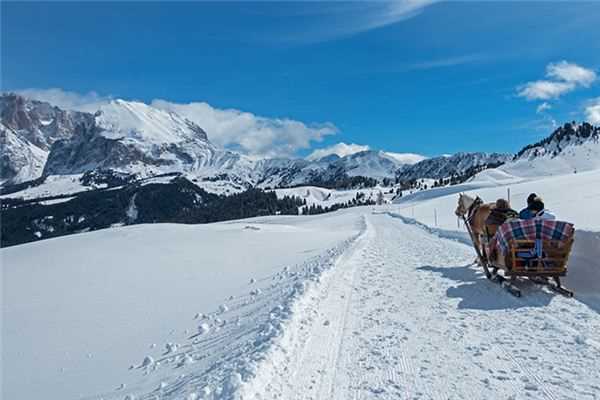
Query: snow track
[
  {"x": 403, "y": 316},
  {"x": 357, "y": 304}
]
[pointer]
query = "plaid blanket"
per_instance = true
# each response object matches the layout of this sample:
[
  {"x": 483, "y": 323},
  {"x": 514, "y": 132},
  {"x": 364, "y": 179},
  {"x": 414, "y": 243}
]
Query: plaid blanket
[{"x": 531, "y": 229}]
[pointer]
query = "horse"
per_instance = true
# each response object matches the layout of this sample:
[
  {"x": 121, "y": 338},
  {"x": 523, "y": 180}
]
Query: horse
[{"x": 475, "y": 212}]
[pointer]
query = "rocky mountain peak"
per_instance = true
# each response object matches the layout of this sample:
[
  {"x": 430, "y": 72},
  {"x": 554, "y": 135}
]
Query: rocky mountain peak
[
  {"x": 567, "y": 135},
  {"x": 139, "y": 121},
  {"x": 39, "y": 122}
]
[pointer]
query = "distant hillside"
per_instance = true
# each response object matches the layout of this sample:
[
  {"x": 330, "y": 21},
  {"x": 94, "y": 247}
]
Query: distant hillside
[
  {"x": 571, "y": 148},
  {"x": 132, "y": 138}
]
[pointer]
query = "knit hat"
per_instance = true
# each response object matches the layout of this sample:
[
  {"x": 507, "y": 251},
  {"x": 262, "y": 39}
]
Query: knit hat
[
  {"x": 502, "y": 204},
  {"x": 537, "y": 204}
]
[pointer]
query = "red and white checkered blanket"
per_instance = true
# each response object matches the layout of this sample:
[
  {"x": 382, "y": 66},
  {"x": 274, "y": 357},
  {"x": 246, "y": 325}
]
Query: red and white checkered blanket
[{"x": 530, "y": 229}]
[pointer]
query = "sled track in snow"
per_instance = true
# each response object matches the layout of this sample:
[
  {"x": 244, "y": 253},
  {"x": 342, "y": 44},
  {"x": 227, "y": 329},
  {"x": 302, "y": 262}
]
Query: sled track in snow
[
  {"x": 402, "y": 315},
  {"x": 241, "y": 341},
  {"x": 396, "y": 312}
]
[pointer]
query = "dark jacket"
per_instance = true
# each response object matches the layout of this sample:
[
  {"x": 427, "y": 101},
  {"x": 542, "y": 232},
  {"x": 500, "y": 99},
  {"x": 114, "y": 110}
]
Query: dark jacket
[
  {"x": 526, "y": 213},
  {"x": 499, "y": 215}
]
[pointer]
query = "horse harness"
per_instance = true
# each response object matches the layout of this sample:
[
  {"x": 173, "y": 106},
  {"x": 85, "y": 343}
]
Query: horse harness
[{"x": 472, "y": 210}]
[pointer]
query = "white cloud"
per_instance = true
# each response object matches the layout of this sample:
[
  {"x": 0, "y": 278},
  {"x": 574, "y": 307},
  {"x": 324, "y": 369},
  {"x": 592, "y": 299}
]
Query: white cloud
[
  {"x": 249, "y": 133},
  {"x": 341, "y": 149},
  {"x": 392, "y": 12},
  {"x": 337, "y": 20},
  {"x": 447, "y": 62},
  {"x": 592, "y": 111},
  {"x": 563, "y": 77},
  {"x": 545, "y": 90},
  {"x": 245, "y": 132},
  {"x": 543, "y": 107},
  {"x": 88, "y": 102},
  {"x": 569, "y": 72}
]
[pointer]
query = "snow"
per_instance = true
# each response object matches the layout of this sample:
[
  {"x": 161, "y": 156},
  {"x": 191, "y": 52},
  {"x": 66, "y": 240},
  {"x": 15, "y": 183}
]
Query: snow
[
  {"x": 53, "y": 185},
  {"x": 59, "y": 185},
  {"x": 56, "y": 201},
  {"x": 46, "y": 122},
  {"x": 26, "y": 157},
  {"x": 203, "y": 329},
  {"x": 368, "y": 302},
  {"x": 328, "y": 197},
  {"x": 145, "y": 125},
  {"x": 410, "y": 319},
  {"x": 572, "y": 197},
  {"x": 115, "y": 292},
  {"x": 132, "y": 211},
  {"x": 337, "y": 310},
  {"x": 405, "y": 158},
  {"x": 573, "y": 157}
]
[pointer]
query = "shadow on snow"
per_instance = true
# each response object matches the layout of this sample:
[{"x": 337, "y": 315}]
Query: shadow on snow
[{"x": 478, "y": 293}]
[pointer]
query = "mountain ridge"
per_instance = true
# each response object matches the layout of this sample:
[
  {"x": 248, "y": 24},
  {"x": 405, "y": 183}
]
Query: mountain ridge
[{"x": 135, "y": 138}]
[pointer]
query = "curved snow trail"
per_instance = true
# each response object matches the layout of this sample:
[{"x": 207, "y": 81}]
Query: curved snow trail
[{"x": 403, "y": 316}]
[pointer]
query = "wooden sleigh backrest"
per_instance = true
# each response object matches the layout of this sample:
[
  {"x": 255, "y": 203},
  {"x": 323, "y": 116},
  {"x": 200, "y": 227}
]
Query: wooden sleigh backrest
[{"x": 554, "y": 258}]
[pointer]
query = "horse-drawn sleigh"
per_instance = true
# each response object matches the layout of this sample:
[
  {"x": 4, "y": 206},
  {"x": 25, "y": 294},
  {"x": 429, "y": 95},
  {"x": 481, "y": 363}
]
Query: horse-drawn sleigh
[{"x": 535, "y": 249}]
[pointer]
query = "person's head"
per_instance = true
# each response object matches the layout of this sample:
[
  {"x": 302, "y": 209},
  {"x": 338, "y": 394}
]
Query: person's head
[
  {"x": 502, "y": 204},
  {"x": 531, "y": 198},
  {"x": 537, "y": 204}
]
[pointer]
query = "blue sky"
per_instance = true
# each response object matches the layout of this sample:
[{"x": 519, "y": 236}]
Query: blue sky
[{"x": 414, "y": 76}]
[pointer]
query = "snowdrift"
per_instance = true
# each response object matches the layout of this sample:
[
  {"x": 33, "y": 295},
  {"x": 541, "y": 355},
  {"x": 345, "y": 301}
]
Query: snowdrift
[{"x": 79, "y": 311}]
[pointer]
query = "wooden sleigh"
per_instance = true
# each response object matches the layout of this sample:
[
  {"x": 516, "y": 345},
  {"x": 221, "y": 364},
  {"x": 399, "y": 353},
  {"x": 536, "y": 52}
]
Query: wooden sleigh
[{"x": 541, "y": 261}]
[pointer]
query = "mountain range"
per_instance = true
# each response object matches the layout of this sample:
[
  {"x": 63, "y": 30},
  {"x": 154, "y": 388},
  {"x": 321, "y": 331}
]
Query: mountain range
[
  {"x": 66, "y": 172},
  {"x": 133, "y": 138}
]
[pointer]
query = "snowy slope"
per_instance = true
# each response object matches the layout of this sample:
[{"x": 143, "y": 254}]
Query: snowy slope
[
  {"x": 453, "y": 165},
  {"x": 570, "y": 148},
  {"x": 403, "y": 316},
  {"x": 573, "y": 158},
  {"x": 572, "y": 197},
  {"x": 79, "y": 310},
  {"x": 144, "y": 125},
  {"x": 376, "y": 164},
  {"x": 328, "y": 197},
  {"x": 395, "y": 312},
  {"x": 20, "y": 160},
  {"x": 138, "y": 139}
]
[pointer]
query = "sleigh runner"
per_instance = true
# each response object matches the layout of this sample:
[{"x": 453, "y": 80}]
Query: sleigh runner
[{"x": 535, "y": 249}]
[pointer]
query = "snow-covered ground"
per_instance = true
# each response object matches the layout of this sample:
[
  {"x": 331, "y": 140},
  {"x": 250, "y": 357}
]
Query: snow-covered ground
[
  {"x": 79, "y": 310},
  {"x": 60, "y": 185},
  {"x": 573, "y": 157},
  {"x": 54, "y": 185},
  {"x": 328, "y": 197},
  {"x": 352, "y": 304},
  {"x": 404, "y": 316},
  {"x": 572, "y": 197},
  {"x": 367, "y": 302}
]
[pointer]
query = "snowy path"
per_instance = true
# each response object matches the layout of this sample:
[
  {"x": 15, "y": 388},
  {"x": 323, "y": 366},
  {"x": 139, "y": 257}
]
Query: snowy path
[{"x": 402, "y": 316}]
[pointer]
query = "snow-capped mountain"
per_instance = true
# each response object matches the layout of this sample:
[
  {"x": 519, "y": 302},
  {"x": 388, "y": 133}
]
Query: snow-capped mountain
[
  {"x": 374, "y": 164},
  {"x": 570, "y": 148},
  {"x": 28, "y": 129},
  {"x": 293, "y": 172},
  {"x": 135, "y": 138},
  {"x": 459, "y": 164}
]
